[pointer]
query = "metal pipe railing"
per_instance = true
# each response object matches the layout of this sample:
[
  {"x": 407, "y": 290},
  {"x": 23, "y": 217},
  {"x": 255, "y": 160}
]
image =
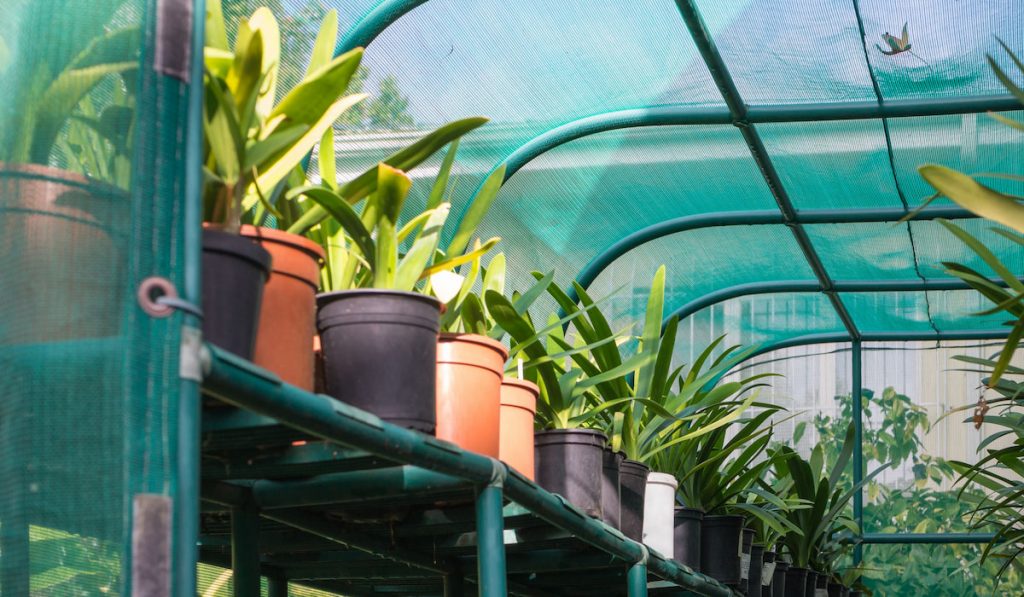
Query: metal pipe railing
[{"x": 240, "y": 383}]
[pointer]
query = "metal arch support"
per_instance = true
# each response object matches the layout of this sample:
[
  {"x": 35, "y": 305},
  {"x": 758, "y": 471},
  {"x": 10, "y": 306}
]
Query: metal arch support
[
  {"x": 840, "y": 337},
  {"x": 738, "y": 109},
  {"x": 373, "y": 23},
  {"x": 653, "y": 232},
  {"x": 776, "y": 286}
]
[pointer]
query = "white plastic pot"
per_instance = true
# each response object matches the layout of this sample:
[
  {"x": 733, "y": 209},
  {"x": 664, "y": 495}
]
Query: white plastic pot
[{"x": 659, "y": 512}]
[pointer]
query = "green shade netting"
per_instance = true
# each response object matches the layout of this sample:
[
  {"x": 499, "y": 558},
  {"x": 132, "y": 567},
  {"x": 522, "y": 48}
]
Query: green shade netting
[
  {"x": 537, "y": 67},
  {"x": 92, "y": 182}
]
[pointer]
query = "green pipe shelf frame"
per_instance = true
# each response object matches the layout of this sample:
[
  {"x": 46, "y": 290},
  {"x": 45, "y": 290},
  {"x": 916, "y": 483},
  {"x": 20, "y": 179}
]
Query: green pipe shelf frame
[{"x": 299, "y": 487}]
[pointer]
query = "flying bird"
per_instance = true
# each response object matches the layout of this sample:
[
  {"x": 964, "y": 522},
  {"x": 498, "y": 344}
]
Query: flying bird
[{"x": 899, "y": 45}]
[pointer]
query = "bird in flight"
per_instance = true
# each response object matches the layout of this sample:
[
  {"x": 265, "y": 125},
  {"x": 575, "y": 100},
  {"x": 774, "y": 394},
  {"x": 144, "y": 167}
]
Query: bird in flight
[{"x": 899, "y": 45}]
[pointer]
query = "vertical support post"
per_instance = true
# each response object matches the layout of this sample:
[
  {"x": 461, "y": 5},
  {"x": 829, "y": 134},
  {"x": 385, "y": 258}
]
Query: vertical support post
[
  {"x": 636, "y": 579},
  {"x": 490, "y": 541},
  {"x": 186, "y": 505},
  {"x": 245, "y": 550},
  {"x": 858, "y": 446},
  {"x": 277, "y": 586}
]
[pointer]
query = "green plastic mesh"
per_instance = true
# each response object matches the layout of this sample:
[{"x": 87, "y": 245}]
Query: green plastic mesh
[
  {"x": 91, "y": 182},
  {"x": 565, "y": 207}
]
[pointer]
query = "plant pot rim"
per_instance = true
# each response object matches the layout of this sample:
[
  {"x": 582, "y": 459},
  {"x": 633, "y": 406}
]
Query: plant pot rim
[
  {"x": 663, "y": 479},
  {"x": 47, "y": 173},
  {"x": 451, "y": 337},
  {"x": 595, "y": 437},
  {"x": 634, "y": 467},
  {"x": 723, "y": 518},
  {"x": 526, "y": 402},
  {"x": 328, "y": 297},
  {"x": 526, "y": 384},
  {"x": 274, "y": 235},
  {"x": 219, "y": 241}
]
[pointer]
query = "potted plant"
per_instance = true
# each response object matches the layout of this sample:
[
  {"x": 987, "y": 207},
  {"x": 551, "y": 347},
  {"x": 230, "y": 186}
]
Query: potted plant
[
  {"x": 646, "y": 412},
  {"x": 255, "y": 187},
  {"x": 568, "y": 411},
  {"x": 826, "y": 517},
  {"x": 65, "y": 142},
  {"x": 766, "y": 505},
  {"x": 697, "y": 455}
]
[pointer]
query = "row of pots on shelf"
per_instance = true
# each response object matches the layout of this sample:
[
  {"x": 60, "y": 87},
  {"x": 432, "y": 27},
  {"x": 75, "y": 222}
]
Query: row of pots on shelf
[
  {"x": 642, "y": 505},
  {"x": 382, "y": 352}
]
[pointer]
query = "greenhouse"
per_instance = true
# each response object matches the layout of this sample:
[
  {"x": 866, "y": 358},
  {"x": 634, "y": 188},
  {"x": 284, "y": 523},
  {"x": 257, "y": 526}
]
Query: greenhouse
[{"x": 444, "y": 297}]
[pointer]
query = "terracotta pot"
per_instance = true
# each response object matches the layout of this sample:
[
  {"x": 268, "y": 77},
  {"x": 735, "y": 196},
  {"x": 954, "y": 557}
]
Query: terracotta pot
[
  {"x": 63, "y": 239},
  {"x": 288, "y": 315},
  {"x": 469, "y": 373},
  {"x": 518, "y": 407}
]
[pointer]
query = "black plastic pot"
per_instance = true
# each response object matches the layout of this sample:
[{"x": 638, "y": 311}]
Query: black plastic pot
[
  {"x": 821, "y": 583},
  {"x": 610, "y": 487},
  {"x": 796, "y": 581},
  {"x": 756, "y": 567},
  {"x": 570, "y": 462},
  {"x": 778, "y": 588},
  {"x": 835, "y": 589},
  {"x": 380, "y": 353},
  {"x": 721, "y": 542},
  {"x": 235, "y": 269},
  {"x": 633, "y": 483},
  {"x": 687, "y": 537},
  {"x": 767, "y": 575},
  {"x": 745, "y": 558},
  {"x": 812, "y": 584}
]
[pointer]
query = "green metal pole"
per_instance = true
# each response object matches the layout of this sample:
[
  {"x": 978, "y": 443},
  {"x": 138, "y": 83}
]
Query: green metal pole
[
  {"x": 858, "y": 447},
  {"x": 186, "y": 505},
  {"x": 277, "y": 586},
  {"x": 245, "y": 550},
  {"x": 636, "y": 580},
  {"x": 490, "y": 542}
]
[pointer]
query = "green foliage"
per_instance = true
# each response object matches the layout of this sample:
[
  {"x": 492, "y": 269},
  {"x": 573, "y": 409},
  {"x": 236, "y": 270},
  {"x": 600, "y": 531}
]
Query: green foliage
[
  {"x": 57, "y": 107},
  {"x": 822, "y": 524},
  {"x": 364, "y": 249},
  {"x": 253, "y": 144},
  {"x": 894, "y": 428}
]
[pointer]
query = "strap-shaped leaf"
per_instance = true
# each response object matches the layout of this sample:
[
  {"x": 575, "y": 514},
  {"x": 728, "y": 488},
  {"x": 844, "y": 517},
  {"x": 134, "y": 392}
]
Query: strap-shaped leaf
[
  {"x": 405, "y": 159},
  {"x": 323, "y": 47},
  {"x": 414, "y": 265},
  {"x": 478, "y": 208},
  {"x": 349, "y": 220},
  {"x": 974, "y": 196}
]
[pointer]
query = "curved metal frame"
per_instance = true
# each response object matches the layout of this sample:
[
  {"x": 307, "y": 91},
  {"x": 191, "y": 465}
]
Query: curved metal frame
[
  {"x": 778, "y": 286},
  {"x": 373, "y": 23},
  {"x": 753, "y": 218}
]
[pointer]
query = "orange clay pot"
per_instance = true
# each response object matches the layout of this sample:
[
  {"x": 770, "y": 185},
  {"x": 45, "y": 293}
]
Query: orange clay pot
[
  {"x": 63, "y": 238},
  {"x": 469, "y": 370},
  {"x": 284, "y": 344},
  {"x": 518, "y": 406}
]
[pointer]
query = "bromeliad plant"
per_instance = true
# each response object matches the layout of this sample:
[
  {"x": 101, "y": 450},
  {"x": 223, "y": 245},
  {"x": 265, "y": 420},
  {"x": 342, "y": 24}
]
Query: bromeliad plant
[
  {"x": 826, "y": 518},
  {"x": 363, "y": 250},
  {"x": 1001, "y": 208},
  {"x": 50, "y": 109},
  {"x": 255, "y": 148},
  {"x": 567, "y": 399},
  {"x": 651, "y": 404},
  {"x": 717, "y": 470}
]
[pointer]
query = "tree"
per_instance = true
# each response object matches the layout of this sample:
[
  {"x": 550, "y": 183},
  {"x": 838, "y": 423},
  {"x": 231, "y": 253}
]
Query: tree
[{"x": 389, "y": 108}]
